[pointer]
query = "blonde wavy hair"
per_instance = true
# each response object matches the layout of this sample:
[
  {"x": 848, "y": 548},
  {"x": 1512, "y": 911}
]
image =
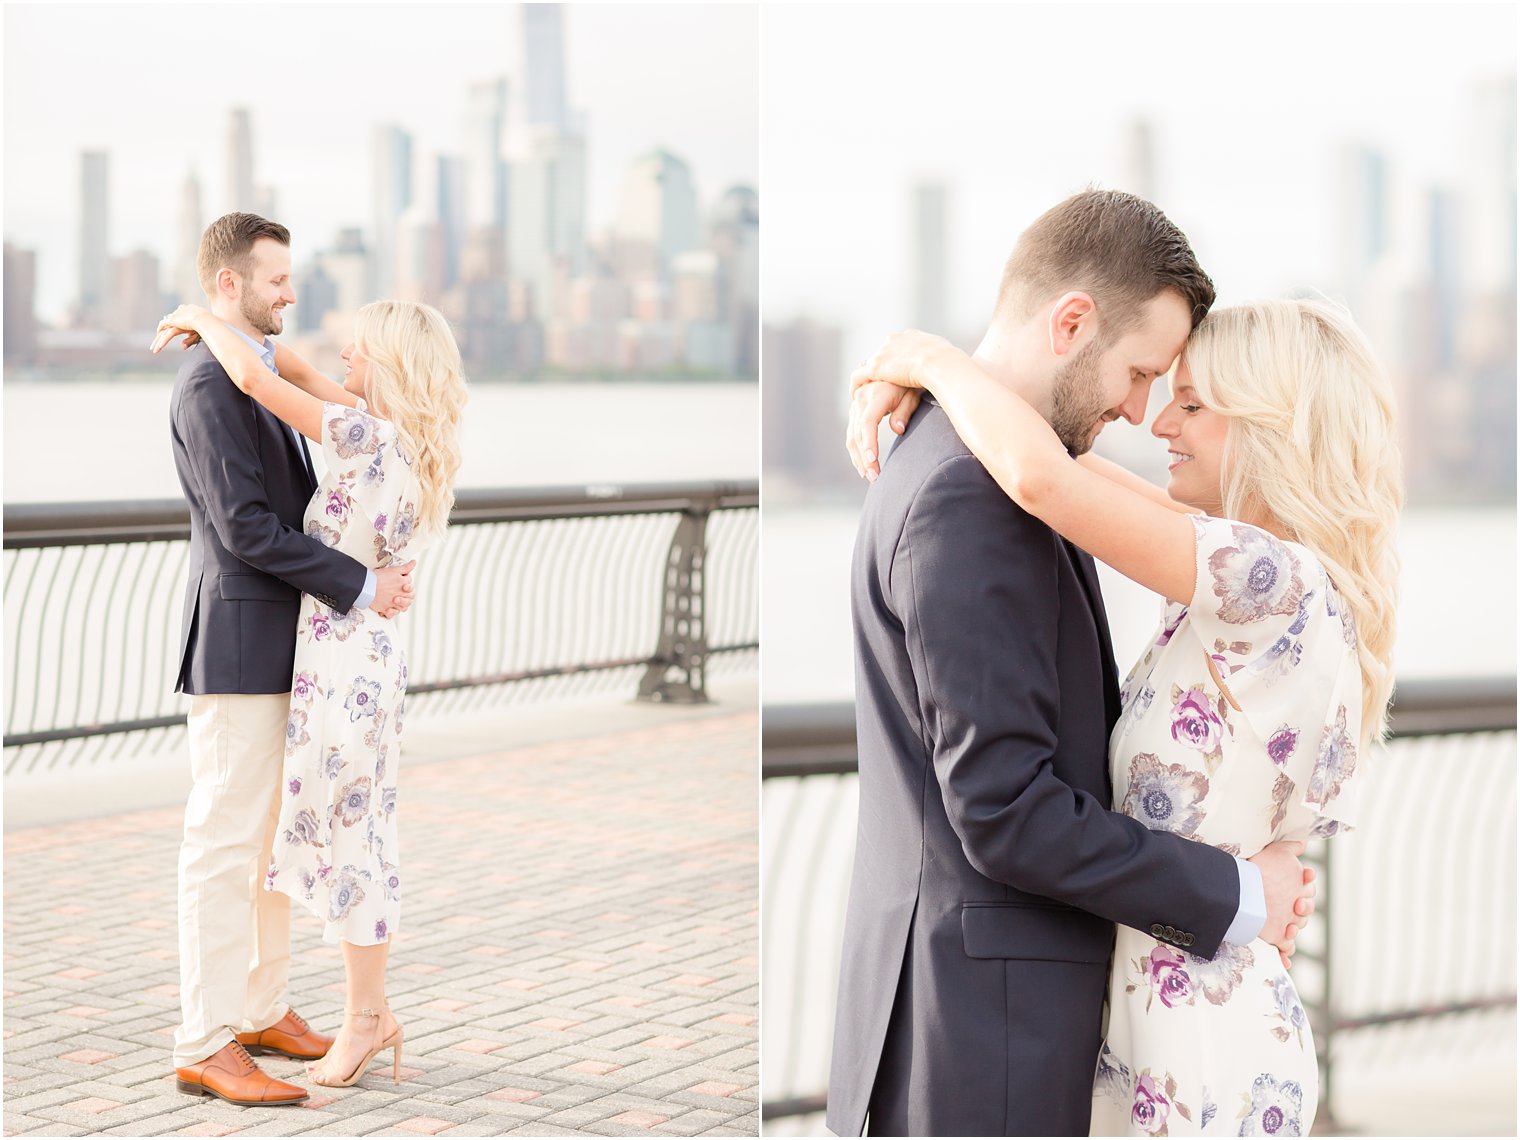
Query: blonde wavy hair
[
  {"x": 1312, "y": 455},
  {"x": 416, "y": 380}
]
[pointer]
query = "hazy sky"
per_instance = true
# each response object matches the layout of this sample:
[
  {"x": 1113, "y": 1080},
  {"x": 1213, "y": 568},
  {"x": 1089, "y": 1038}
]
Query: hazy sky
[
  {"x": 153, "y": 85},
  {"x": 1019, "y": 105}
]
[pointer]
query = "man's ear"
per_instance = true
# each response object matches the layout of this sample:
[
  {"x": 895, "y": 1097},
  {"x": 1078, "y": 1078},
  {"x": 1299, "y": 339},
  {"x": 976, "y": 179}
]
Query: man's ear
[
  {"x": 226, "y": 283},
  {"x": 1073, "y": 317}
]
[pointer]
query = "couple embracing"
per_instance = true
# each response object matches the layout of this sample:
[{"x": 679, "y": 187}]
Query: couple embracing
[
  {"x": 291, "y": 653},
  {"x": 1017, "y": 803}
]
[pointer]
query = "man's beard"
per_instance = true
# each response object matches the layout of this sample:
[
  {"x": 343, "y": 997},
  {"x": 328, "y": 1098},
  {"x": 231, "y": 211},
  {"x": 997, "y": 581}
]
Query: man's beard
[
  {"x": 260, "y": 315},
  {"x": 1078, "y": 402}
]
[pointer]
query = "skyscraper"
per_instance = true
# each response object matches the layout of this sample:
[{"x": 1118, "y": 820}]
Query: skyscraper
[
  {"x": 927, "y": 275},
  {"x": 136, "y": 301},
  {"x": 186, "y": 280},
  {"x": 94, "y": 238},
  {"x": 546, "y": 213},
  {"x": 392, "y": 174},
  {"x": 543, "y": 66},
  {"x": 241, "y": 194},
  {"x": 736, "y": 238},
  {"x": 1361, "y": 220},
  {"x": 20, "y": 305},
  {"x": 485, "y": 120},
  {"x": 449, "y": 188},
  {"x": 658, "y": 219}
]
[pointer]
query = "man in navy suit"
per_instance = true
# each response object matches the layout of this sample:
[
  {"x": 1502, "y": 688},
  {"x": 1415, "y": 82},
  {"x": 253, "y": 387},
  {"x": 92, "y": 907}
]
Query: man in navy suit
[
  {"x": 989, "y": 870},
  {"x": 247, "y": 478}
]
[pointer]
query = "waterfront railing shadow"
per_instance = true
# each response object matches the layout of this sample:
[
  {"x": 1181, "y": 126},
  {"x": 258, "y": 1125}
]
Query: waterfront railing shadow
[
  {"x": 640, "y": 590},
  {"x": 1412, "y": 948}
]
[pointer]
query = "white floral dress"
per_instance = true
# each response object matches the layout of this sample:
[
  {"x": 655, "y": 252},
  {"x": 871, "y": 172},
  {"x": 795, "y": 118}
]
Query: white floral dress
[
  {"x": 336, "y": 850},
  {"x": 1222, "y": 1046}
]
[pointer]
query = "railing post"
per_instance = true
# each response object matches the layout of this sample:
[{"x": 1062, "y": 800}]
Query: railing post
[{"x": 679, "y": 669}]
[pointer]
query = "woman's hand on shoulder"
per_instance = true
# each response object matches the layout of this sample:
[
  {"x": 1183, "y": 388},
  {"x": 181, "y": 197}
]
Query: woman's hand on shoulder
[
  {"x": 886, "y": 384},
  {"x": 180, "y": 322}
]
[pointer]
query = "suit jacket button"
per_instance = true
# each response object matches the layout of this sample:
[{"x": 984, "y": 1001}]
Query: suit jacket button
[
  {"x": 1187, "y": 939},
  {"x": 1156, "y": 930},
  {"x": 1171, "y": 934}
]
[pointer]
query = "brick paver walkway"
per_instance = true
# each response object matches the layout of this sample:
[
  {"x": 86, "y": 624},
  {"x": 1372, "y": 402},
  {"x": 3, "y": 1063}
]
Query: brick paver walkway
[{"x": 577, "y": 956}]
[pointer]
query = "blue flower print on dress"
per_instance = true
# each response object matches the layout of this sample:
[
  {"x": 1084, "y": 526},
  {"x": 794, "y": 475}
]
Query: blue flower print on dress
[
  {"x": 303, "y": 828},
  {"x": 333, "y": 763},
  {"x": 295, "y": 730},
  {"x": 1165, "y": 797},
  {"x": 1273, "y": 1108},
  {"x": 344, "y": 893},
  {"x": 388, "y": 800},
  {"x": 353, "y": 433},
  {"x": 343, "y": 625},
  {"x": 1335, "y": 762},
  {"x": 1113, "y": 1077},
  {"x": 353, "y": 801},
  {"x": 363, "y": 697},
  {"x": 1218, "y": 977},
  {"x": 379, "y": 645},
  {"x": 1256, "y": 577},
  {"x": 1287, "y": 1009}
]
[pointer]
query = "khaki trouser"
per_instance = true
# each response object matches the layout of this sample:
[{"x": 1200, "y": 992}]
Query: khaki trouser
[{"x": 234, "y": 936}]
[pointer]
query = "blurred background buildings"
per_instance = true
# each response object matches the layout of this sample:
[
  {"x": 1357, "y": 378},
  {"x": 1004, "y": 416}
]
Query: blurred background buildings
[{"x": 496, "y": 232}]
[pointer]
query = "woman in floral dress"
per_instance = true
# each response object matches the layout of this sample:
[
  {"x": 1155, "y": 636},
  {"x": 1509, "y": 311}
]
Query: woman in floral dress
[
  {"x": 1249, "y": 718},
  {"x": 389, "y": 436}
]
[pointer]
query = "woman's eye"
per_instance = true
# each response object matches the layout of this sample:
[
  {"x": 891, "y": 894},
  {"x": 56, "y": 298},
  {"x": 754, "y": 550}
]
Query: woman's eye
[{"x": 1192, "y": 407}]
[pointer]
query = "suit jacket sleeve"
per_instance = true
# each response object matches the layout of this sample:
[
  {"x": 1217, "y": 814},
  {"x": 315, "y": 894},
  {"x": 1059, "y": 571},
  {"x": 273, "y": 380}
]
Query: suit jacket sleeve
[
  {"x": 219, "y": 428},
  {"x": 972, "y": 582}
]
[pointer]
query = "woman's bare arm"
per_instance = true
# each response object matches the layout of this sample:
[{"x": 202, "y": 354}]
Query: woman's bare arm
[
  {"x": 1148, "y": 542},
  {"x": 1123, "y": 476},
  {"x": 294, "y": 368}
]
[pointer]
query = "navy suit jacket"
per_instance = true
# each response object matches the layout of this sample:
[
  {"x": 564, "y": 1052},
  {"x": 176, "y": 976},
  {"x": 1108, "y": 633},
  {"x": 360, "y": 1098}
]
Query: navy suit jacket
[
  {"x": 989, "y": 869},
  {"x": 248, "y": 489}
]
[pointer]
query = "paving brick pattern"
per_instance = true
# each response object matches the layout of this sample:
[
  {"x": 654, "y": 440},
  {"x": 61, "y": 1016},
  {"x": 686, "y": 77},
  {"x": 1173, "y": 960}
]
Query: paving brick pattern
[{"x": 577, "y": 956}]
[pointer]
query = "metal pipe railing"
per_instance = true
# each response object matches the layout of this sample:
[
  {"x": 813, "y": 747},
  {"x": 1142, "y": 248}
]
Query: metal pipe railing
[{"x": 539, "y": 586}]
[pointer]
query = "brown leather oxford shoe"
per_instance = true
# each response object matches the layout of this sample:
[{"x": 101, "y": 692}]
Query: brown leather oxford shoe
[
  {"x": 231, "y": 1074},
  {"x": 288, "y": 1037}
]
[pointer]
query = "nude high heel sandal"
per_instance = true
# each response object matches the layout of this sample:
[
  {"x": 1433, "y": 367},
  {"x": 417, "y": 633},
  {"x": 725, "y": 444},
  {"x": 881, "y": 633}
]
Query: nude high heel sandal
[{"x": 393, "y": 1043}]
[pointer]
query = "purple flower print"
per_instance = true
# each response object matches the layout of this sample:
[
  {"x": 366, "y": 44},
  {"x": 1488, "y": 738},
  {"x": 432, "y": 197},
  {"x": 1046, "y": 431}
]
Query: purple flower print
[
  {"x": 390, "y": 881},
  {"x": 1281, "y": 745},
  {"x": 337, "y": 506},
  {"x": 363, "y": 699},
  {"x": 343, "y": 895},
  {"x": 375, "y": 472},
  {"x": 1255, "y": 578},
  {"x": 380, "y": 522},
  {"x": 294, "y": 785},
  {"x": 1335, "y": 762},
  {"x": 388, "y": 800},
  {"x": 353, "y": 433},
  {"x": 380, "y": 930},
  {"x": 1194, "y": 722},
  {"x": 1276, "y": 1108},
  {"x": 303, "y": 688},
  {"x": 320, "y": 626},
  {"x": 353, "y": 801},
  {"x": 1151, "y": 1107},
  {"x": 1169, "y": 981}
]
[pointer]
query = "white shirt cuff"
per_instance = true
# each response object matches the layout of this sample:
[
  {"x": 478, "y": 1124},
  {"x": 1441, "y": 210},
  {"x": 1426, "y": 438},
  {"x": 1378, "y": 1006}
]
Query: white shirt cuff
[
  {"x": 367, "y": 595},
  {"x": 1252, "y": 915}
]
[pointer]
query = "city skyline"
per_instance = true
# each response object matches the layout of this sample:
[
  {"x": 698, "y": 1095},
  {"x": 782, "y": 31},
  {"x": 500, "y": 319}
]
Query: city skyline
[{"x": 618, "y": 94}]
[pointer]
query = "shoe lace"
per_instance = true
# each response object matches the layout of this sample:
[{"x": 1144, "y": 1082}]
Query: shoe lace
[{"x": 243, "y": 1057}]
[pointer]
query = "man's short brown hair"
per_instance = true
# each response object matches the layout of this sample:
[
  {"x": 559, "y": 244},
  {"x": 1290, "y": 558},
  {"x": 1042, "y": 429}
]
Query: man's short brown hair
[
  {"x": 1116, "y": 247},
  {"x": 228, "y": 242}
]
